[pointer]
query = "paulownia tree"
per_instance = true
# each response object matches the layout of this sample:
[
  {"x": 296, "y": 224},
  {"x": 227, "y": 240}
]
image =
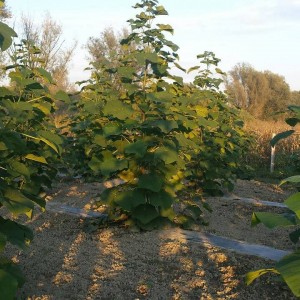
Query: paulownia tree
[
  {"x": 153, "y": 131},
  {"x": 29, "y": 147}
]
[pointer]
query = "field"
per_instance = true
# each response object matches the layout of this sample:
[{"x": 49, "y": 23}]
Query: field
[
  {"x": 287, "y": 151},
  {"x": 68, "y": 260},
  {"x": 171, "y": 144}
]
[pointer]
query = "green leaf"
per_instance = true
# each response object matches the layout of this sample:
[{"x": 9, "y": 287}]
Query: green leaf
[
  {"x": 161, "y": 199},
  {"x": 201, "y": 111},
  {"x": 292, "y": 121},
  {"x": 62, "y": 96},
  {"x": 108, "y": 165},
  {"x": 165, "y": 27},
  {"x": 144, "y": 57},
  {"x": 95, "y": 164},
  {"x": 185, "y": 221},
  {"x": 168, "y": 213},
  {"x": 173, "y": 46},
  {"x": 22, "y": 106},
  {"x": 165, "y": 125},
  {"x": 207, "y": 123},
  {"x": 295, "y": 235},
  {"x": 16, "y": 202},
  {"x": 138, "y": 148},
  {"x": 44, "y": 107},
  {"x": 8, "y": 283},
  {"x": 145, "y": 213},
  {"x": 194, "y": 210},
  {"x": 45, "y": 74},
  {"x": 289, "y": 269},
  {"x": 160, "y": 96},
  {"x": 185, "y": 142},
  {"x": 51, "y": 139},
  {"x": 177, "y": 79},
  {"x": 92, "y": 107},
  {"x": 6, "y": 35},
  {"x": 161, "y": 11},
  {"x": 30, "y": 84},
  {"x": 3, "y": 241},
  {"x": 152, "y": 182},
  {"x": 280, "y": 136},
  {"x": 292, "y": 179},
  {"x": 51, "y": 145},
  {"x": 167, "y": 155},
  {"x": 293, "y": 203},
  {"x": 294, "y": 108},
  {"x": 109, "y": 130},
  {"x": 15, "y": 233},
  {"x": 271, "y": 220},
  {"x": 118, "y": 109},
  {"x": 219, "y": 71},
  {"x": 128, "y": 200},
  {"x": 4, "y": 92},
  {"x": 126, "y": 72},
  {"x": 100, "y": 140},
  {"x": 251, "y": 276},
  {"x": 12, "y": 269},
  {"x": 16, "y": 169},
  {"x": 179, "y": 67},
  {"x": 193, "y": 69},
  {"x": 36, "y": 158}
]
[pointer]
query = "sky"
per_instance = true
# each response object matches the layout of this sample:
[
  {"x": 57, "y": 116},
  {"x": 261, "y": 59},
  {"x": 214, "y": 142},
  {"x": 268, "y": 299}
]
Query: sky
[{"x": 263, "y": 33}]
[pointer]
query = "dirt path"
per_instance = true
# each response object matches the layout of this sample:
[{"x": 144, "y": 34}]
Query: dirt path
[{"x": 66, "y": 262}]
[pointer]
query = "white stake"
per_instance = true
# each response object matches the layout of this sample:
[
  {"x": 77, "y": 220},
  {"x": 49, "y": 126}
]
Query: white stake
[{"x": 272, "y": 157}]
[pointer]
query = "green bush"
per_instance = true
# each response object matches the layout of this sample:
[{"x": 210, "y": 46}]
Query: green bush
[
  {"x": 29, "y": 147},
  {"x": 289, "y": 266},
  {"x": 146, "y": 126}
]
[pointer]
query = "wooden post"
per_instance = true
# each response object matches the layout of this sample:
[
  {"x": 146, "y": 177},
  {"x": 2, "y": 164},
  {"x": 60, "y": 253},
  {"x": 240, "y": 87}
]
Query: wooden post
[{"x": 272, "y": 157}]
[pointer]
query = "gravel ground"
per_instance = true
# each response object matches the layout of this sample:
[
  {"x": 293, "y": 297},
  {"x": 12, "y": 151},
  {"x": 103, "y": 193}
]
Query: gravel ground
[{"x": 67, "y": 262}]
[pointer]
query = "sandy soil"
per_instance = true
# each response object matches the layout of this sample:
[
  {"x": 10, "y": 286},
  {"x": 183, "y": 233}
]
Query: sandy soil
[{"x": 67, "y": 262}]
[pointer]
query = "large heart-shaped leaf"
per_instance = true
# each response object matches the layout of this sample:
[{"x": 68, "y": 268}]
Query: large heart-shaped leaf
[
  {"x": 6, "y": 35},
  {"x": 138, "y": 148},
  {"x": 145, "y": 213},
  {"x": 289, "y": 269},
  {"x": 130, "y": 199},
  {"x": 293, "y": 203},
  {"x": 152, "y": 182},
  {"x": 272, "y": 220}
]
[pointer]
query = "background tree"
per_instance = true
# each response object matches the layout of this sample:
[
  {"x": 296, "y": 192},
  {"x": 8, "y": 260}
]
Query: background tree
[
  {"x": 279, "y": 93},
  {"x": 260, "y": 93},
  {"x": 106, "y": 52},
  {"x": 5, "y": 14},
  {"x": 295, "y": 97},
  {"x": 47, "y": 38},
  {"x": 106, "y": 48}
]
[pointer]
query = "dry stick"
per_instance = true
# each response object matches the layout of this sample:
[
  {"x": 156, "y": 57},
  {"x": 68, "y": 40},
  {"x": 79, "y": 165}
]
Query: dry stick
[{"x": 272, "y": 157}]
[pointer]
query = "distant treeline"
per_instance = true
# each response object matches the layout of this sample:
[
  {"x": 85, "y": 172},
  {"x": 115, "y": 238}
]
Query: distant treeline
[{"x": 262, "y": 94}]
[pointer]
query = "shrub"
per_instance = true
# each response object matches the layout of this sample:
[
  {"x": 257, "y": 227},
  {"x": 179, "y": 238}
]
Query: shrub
[
  {"x": 29, "y": 147},
  {"x": 153, "y": 131}
]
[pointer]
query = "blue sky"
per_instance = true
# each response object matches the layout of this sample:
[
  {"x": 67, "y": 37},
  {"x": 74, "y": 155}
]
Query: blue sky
[{"x": 264, "y": 33}]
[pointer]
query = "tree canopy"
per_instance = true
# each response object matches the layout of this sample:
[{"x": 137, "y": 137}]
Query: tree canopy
[{"x": 262, "y": 94}]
